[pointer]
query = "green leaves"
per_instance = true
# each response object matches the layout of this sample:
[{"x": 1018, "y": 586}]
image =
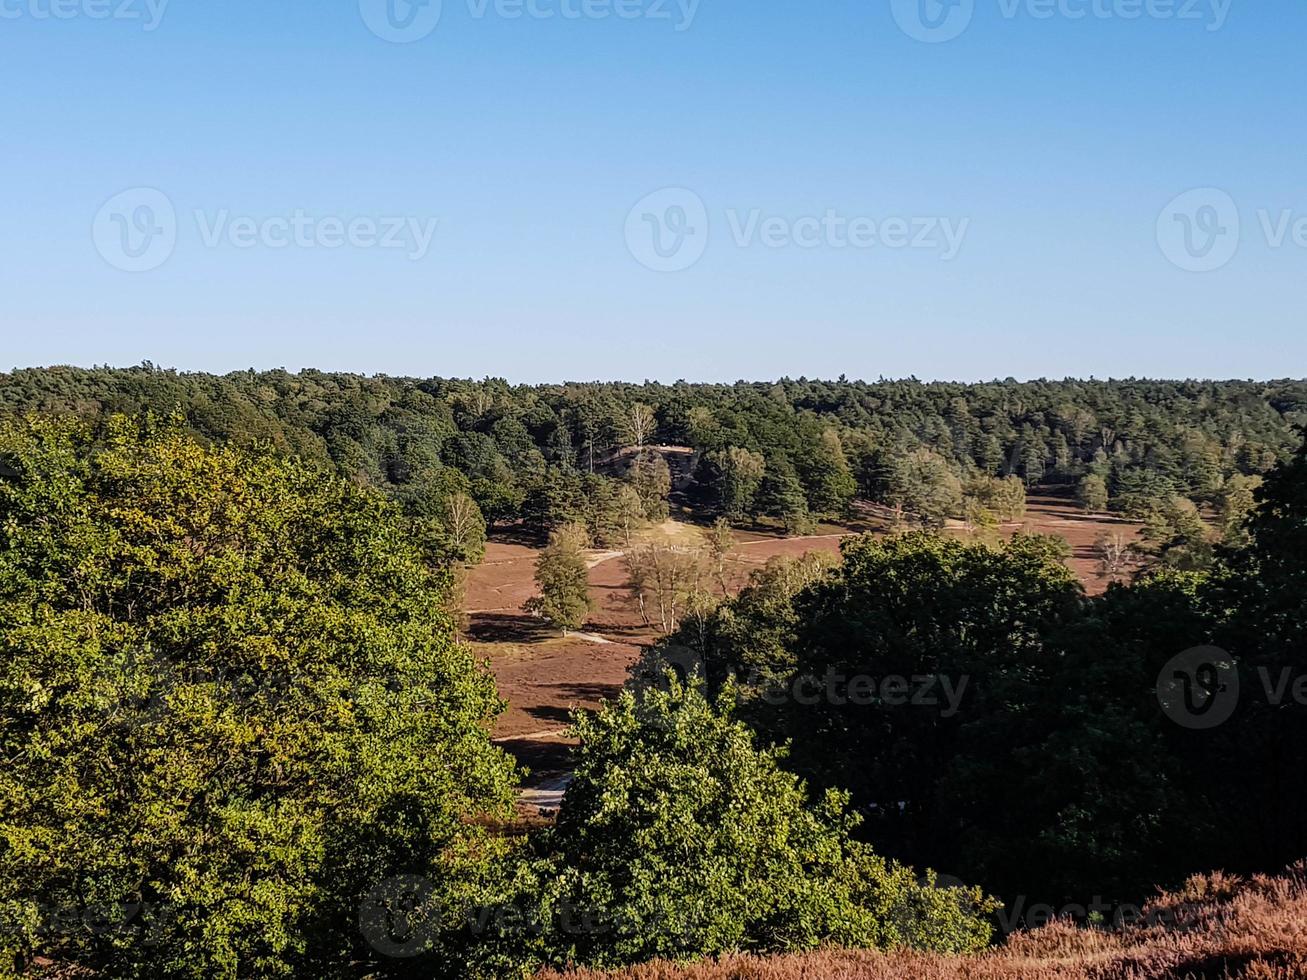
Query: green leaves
[
  {"x": 228, "y": 696},
  {"x": 563, "y": 580},
  {"x": 686, "y": 840}
]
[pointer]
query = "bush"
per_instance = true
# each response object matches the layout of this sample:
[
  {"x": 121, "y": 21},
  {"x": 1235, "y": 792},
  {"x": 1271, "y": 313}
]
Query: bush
[{"x": 680, "y": 839}]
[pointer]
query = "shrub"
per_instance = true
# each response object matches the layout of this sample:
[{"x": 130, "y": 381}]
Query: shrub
[{"x": 680, "y": 839}]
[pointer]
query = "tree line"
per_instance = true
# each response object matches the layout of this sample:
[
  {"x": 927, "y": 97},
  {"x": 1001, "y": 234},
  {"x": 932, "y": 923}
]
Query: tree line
[{"x": 465, "y": 454}]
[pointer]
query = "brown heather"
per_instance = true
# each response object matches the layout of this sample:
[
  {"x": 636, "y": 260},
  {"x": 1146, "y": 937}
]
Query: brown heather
[{"x": 1216, "y": 927}]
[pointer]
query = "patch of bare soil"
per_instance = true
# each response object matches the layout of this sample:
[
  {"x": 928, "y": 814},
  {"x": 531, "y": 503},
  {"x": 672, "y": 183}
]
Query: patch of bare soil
[
  {"x": 543, "y": 675},
  {"x": 1063, "y": 518}
]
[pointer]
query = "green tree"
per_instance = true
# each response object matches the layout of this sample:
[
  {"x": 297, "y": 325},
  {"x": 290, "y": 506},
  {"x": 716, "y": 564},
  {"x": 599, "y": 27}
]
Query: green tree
[
  {"x": 652, "y": 480},
  {"x": 828, "y": 667},
  {"x": 556, "y": 498},
  {"x": 1061, "y": 454},
  {"x": 229, "y": 706},
  {"x": 1003, "y": 499},
  {"x": 464, "y": 529},
  {"x": 563, "y": 580},
  {"x": 630, "y": 514},
  {"x": 753, "y": 636},
  {"x": 690, "y": 841},
  {"x": 1178, "y": 534},
  {"x": 735, "y": 475},
  {"x": 920, "y": 483},
  {"x": 602, "y": 510},
  {"x": 1034, "y": 456},
  {"x": 781, "y": 495},
  {"x": 1235, "y": 505},
  {"x": 1139, "y": 493},
  {"x": 978, "y": 518},
  {"x": 1092, "y": 494},
  {"x": 1261, "y": 590},
  {"x": 991, "y": 455},
  {"x": 721, "y": 541},
  {"x": 1008, "y": 499},
  {"x": 824, "y": 470}
]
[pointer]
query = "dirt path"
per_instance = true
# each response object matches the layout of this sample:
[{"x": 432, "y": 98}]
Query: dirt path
[
  {"x": 542, "y": 674},
  {"x": 546, "y": 796},
  {"x": 534, "y": 736},
  {"x": 591, "y": 638},
  {"x": 798, "y": 539}
]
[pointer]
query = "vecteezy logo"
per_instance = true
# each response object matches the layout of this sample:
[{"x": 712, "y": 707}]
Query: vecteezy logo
[
  {"x": 681, "y": 663},
  {"x": 400, "y": 917},
  {"x": 663, "y": 669},
  {"x": 136, "y": 231},
  {"x": 933, "y": 21},
  {"x": 1199, "y": 688},
  {"x": 401, "y": 21},
  {"x": 668, "y": 230},
  {"x": 666, "y": 666},
  {"x": 1199, "y": 230}
]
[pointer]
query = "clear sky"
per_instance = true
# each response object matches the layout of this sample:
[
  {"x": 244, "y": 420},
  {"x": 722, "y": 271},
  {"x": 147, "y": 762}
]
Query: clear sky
[{"x": 631, "y": 189}]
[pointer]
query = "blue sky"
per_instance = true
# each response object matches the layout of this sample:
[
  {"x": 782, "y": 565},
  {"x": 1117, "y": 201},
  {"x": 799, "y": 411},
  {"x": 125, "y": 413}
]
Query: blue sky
[{"x": 831, "y": 195}]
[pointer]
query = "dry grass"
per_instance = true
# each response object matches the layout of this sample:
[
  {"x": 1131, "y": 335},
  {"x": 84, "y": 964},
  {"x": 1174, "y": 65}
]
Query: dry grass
[{"x": 1217, "y": 927}]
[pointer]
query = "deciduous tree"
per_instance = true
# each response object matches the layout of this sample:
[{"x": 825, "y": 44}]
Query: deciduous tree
[
  {"x": 230, "y": 706},
  {"x": 563, "y": 579}
]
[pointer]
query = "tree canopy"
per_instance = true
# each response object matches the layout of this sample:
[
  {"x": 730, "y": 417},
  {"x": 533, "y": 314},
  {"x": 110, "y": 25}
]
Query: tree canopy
[{"x": 230, "y": 702}]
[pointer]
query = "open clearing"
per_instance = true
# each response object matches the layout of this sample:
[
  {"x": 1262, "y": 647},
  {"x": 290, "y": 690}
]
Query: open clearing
[{"x": 544, "y": 676}]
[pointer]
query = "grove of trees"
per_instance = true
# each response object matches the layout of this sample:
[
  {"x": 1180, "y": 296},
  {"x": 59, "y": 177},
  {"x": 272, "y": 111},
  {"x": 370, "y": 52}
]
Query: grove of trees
[
  {"x": 230, "y": 702},
  {"x": 789, "y": 451},
  {"x": 241, "y": 738},
  {"x": 1029, "y": 749}
]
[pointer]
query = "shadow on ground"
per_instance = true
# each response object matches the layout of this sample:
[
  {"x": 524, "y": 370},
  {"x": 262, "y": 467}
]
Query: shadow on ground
[{"x": 506, "y": 628}]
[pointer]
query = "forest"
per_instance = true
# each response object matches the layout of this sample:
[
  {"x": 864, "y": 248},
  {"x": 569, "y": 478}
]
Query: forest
[
  {"x": 789, "y": 451},
  {"x": 243, "y": 734}
]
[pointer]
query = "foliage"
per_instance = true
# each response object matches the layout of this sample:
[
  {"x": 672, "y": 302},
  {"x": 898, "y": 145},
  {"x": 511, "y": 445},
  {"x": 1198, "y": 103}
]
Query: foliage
[
  {"x": 1251, "y": 927},
  {"x": 563, "y": 579},
  {"x": 652, "y": 480},
  {"x": 1257, "y": 597},
  {"x": 685, "y": 840},
  {"x": 824, "y": 470},
  {"x": 1236, "y": 503},
  {"x": 990, "y": 500},
  {"x": 1092, "y": 494},
  {"x": 734, "y": 477},
  {"x": 721, "y": 541},
  {"x": 229, "y": 705},
  {"x": 921, "y": 483},
  {"x": 666, "y": 581},
  {"x": 817, "y": 440},
  {"x": 936, "y": 674},
  {"x": 1178, "y": 534}
]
